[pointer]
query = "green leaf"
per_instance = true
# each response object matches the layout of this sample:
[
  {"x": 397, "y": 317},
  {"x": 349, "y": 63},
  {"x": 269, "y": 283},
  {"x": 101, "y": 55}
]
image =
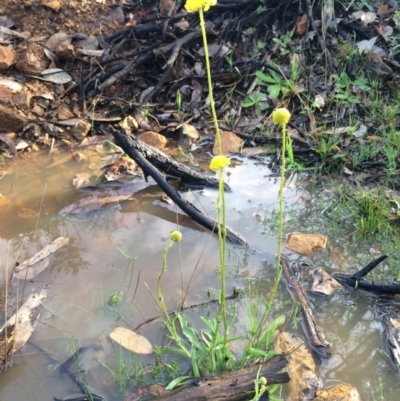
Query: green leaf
[
  {"x": 265, "y": 78},
  {"x": 274, "y": 91},
  {"x": 193, "y": 358},
  {"x": 179, "y": 381}
]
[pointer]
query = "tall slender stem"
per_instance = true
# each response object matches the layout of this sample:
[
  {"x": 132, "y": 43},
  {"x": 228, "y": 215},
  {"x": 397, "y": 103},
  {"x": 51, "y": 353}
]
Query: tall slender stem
[
  {"x": 278, "y": 270},
  {"x": 209, "y": 81},
  {"x": 221, "y": 206}
]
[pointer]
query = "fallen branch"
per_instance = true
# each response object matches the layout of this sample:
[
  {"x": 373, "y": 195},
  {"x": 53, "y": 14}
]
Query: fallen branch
[
  {"x": 234, "y": 386},
  {"x": 357, "y": 281},
  {"x": 127, "y": 143},
  {"x": 313, "y": 332},
  {"x": 171, "y": 167}
]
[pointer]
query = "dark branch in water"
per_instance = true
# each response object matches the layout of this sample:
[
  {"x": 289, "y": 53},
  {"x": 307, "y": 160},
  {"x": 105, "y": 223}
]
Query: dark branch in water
[{"x": 130, "y": 145}]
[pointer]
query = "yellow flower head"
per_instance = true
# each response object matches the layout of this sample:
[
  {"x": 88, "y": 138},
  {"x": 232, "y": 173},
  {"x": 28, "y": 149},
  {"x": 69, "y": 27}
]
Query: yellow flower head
[
  {"x": 218, "y": 162},
  {"x": 176, "y": 236},
  {"x": 281, "y": 116},
  {"x": 195, "y": 5}
]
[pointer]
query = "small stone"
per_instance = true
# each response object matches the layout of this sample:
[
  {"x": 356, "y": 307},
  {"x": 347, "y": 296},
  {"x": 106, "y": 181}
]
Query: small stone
[
  {"x": 153, "y": 139},
  {"x": 52, "y": 130},
  {"x": 129, "y": 124},
  {"x": 11, "y": 121},
  {"x": 230, "y": 143},
  {"x": 43, "y": 103},
  {"x": 7, "y": 57},
  {"x": 32, "y": 60},
  {"x": 22, "y": 100},
  {"x": 54, "y": 5},
  {"x": 36, "y": 109},
  {"x": 189, "y": 136},
  {"x": 63, "y": 113},
  {"x": 5, "y": 94},
  {"x": 81, "y": 129}
]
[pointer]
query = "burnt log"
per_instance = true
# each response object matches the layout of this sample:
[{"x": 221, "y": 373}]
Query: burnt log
[
  {"x": 233, "y": 386},
  {"x": 358, "y": 282},
  {"x": 171, "y": 167},
  {"x": 315, "y": 336},
  {"x": 129, "y": 145}
]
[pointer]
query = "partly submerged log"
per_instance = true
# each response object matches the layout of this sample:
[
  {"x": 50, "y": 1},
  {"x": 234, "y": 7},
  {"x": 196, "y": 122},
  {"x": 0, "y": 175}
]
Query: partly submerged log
[
  {"x": 358, "y": 282},
  {"x": 127, "y": 143},
  {"x": 233, "y": 386},
  {"x": 171, "y": 167},
  {"x": 316, "y": 338}
]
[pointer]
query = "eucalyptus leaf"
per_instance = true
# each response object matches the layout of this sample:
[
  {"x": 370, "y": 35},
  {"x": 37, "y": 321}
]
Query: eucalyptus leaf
[{"x": 56, "y": 75}]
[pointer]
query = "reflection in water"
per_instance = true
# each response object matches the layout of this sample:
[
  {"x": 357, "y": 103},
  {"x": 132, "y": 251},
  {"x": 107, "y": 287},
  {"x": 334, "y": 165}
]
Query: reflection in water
[{"x": 121, "y": 247}]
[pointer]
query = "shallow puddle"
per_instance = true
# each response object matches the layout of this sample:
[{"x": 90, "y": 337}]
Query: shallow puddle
[{"x": 119, "y": 250}]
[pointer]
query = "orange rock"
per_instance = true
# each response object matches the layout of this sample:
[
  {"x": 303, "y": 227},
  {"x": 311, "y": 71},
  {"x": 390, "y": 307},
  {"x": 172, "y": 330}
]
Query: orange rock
[
  {"x": 31, "y": 59},
  {"x": 11, "y": 121},
  {"x": 7, "y": 57},
  {"x": 63, "y": 113},
  {"x": 342, "y": 392},
  {"x": 54, "y": 5},
  {"x": 306, "y": 244},
  {"x": 230, "y": 143},
  {"x": 153, "y": 139}
]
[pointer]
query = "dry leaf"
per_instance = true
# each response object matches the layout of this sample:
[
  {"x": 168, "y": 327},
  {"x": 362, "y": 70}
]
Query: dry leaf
[
  {"x": 36, "y": 264},
  {"x": 132, "y": 341},
  {"x": 301, "y": 25},
  {"x": 383, "y": 10},
  {"x": 21, "y": 325},
  {"x": 324, "y": 283},
  {"x": 306, "y": 244},
  {"x": 319, "y": 102},
  {"x": 165, "y": 7},
  {"x": 215, "y": 50}
]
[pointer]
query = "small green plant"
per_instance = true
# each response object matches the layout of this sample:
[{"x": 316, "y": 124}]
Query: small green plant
[
  {"x": 179, "y": 101},
  {"x": 345, "y": 87},
  {"x": 284, "y": 43},
  {"x": 276, "y": 84},
  {"x": 186, "y": 156},
  {"x": 115, "y": 299},
  {"x": 256, "y": 99}
]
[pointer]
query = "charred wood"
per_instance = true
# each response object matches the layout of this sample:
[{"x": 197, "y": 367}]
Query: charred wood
[
  {"x": 128, "y": 144},
  {"x": 234, "y": 386},
  {"x": 313, "y": 332}
]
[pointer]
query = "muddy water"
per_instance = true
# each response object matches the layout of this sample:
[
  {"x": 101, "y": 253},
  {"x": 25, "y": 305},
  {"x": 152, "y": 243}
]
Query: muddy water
[{"x": 120, "y": 248}]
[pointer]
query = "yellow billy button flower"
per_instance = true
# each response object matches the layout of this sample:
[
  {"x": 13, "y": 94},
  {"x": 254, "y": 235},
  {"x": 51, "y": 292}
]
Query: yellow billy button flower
[
  {"x": 195, "y": 5},
  {"x": 218, "y": 162},
  {"x": 176, "y": 236},
  {"x": 281, "y": 116}
]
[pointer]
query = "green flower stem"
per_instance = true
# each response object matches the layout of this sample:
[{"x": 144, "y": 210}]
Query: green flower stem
[
  {"x": 278, "y": 271},
  {"x": 209, "y": 80},
  {"x": 289, "y": 149},
  {"x": 281, "y": 210},
  {"x": 161, "y": 302},
  {"x": 221, "y": 206}
]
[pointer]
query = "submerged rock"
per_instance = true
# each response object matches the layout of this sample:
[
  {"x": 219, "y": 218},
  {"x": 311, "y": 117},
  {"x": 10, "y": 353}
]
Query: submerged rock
[
  {"x": 301, "y": 367},
  {"x": 340, "y": 392}
]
